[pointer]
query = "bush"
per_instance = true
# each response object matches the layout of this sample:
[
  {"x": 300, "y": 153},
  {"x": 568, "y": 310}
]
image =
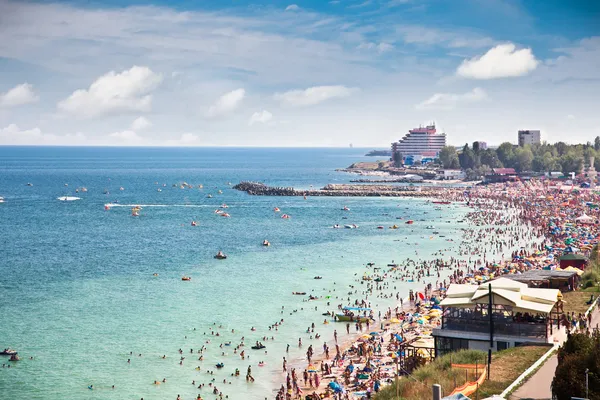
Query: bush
[{"x": 580, "y": 352}]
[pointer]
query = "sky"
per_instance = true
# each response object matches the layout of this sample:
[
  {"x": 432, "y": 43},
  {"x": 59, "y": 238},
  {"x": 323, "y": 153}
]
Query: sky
[{"x": 296, "y": 73}]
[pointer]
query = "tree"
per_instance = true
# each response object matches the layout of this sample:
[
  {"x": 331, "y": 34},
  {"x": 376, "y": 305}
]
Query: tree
[
  {"x": 523, "y": 159},
  {"x": 476, "y": 147},
  {"x": 505, "y": 154},
  {"x": 571, "y": 162},
  {"x": 490, "y": 158},
  {"x": 597, "y": 143},
  {"x": 467, "y": 158},
  {"x": 448, "y": 157},
  {"x": 580, "y": 352}
]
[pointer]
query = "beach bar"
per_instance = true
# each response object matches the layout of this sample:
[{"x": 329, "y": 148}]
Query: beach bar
[{"x": 519, "y": 315}]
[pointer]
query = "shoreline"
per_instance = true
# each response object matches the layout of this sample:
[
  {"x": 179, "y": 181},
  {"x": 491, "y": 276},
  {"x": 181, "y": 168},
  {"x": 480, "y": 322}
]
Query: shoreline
[{"x": 385, "y": 326}]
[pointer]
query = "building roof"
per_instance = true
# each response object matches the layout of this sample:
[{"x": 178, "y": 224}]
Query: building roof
[
  {"x": 504, "y": 171},
  {"x": 572, "y": 256},
  {"x": 541, "y": 275},
  {"x": 504, "y": 291}
]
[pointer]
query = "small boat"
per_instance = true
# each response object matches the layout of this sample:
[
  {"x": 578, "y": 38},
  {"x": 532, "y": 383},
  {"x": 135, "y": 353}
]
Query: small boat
[
  {"x": 159, "y": 190},
  {"x": 266, "y": 243},
  {"x": 29, "y": 184},
  {"x": 259, "y": 346},
  {"x": 380, "y": 227},
  {"x": 225, "y": 215},
  {"x": 186, "y": 278},
  {"x": 1, "y": 199},
  {"x": 351, "y": 226},
  {"x": 345, "y": 208},
  {"x": 8, "y": 352},
  {"x": 276, "y": 209},
  {"x": 220, "y": 192},
  {"x": 410, "y": 222},
  {"x": 394, "y": 227},
  {"x": 430, "y": 227},
  {"x": 194, "y": 223},
  {"x": 224, "y": 205},
  {"x": 219, "y": 211},
  {"x": 121, "y": 188},
  {"x": 68, "y": 198},
  {"x": 209, "y": 196},
  {"x": 299, "y": 293},
  {"x": 285, "y": 216},
  {"x": 318, "y": 277},
  {"x": 220, "y": 256},
  {"x": 348, "y": 318}
]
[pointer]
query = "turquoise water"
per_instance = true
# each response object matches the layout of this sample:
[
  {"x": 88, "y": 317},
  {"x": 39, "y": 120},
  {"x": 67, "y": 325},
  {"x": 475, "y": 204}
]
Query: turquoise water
[{"x": 77, "y": 290}]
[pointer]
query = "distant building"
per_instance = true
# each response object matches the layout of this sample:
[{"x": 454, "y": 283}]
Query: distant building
[
  {"x": 529, "y": 137},
  {"x": 482, "y": 145},
  {"x": 450, "y": 174},
  {"x": 501, "y": 175},
  {"x": 420, "y": 144}
]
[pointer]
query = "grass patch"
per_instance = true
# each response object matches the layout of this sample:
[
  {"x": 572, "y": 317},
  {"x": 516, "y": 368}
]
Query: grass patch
[
  {"x": 576, "y": 301},
  {"x": 507, "y": 365}
]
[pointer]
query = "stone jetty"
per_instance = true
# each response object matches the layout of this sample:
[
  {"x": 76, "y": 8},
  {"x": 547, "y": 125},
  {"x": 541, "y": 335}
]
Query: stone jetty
[{"x": 347, "y": 190}]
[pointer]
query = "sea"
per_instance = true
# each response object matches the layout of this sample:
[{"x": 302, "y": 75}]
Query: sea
[{"x": 84, "y": 287}]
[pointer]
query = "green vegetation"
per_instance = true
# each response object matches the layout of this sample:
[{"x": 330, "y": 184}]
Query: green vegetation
[
  {"x": 580, "y": 352},
  {"x": 537, "y": 158},
  {"x": 576, "y": 301},
  {"x": 507, "y": 365}
]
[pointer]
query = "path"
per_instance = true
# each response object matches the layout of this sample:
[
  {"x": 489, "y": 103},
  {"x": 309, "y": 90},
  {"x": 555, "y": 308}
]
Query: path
[{"x": 538, "y": 386}]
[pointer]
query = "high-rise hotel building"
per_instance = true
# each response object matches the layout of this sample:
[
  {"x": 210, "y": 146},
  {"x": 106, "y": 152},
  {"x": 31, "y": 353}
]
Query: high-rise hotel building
[{"x": 420, "y": 143}]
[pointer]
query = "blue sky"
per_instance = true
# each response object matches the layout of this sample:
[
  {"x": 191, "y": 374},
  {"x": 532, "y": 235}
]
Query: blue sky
[{"x": 296, "y": 73}]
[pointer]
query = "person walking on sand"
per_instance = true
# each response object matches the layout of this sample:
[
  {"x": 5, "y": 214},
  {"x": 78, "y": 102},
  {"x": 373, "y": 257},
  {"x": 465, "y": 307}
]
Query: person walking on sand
[
  {"x": 284, "y": 365},
  {"x": 335, "y": 335}
]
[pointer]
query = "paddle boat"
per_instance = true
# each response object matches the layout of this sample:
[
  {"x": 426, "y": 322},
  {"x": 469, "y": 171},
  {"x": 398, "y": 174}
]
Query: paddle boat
[
  {"x": 266, "y": 243},
  {"x": 345, "y": 208},
  {"x": 380, "y": 227},
  {"x": 276, "y": 209},
  {"x": 220, "y": 255},
  {"x": 8, "y": 352},
  {"x": 186, "y": 278},
  {"x": 194, "y": 223},
  {"x": 285, "y": 216},
  {"x": 409, "y": 222}
]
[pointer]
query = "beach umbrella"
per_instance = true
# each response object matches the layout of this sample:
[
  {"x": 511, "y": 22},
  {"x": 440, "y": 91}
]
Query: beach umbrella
[
  {"x": 395, "y": 321},
  {"x": 311, "y": 368},
  {"x": 374, "y": 334}
]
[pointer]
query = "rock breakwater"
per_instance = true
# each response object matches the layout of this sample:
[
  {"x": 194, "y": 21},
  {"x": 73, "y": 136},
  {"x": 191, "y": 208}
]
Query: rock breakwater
[{"x": 260, "y": 189}]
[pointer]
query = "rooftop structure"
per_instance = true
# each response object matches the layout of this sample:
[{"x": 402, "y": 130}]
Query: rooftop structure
[
  {"x": 421, "y": 142},
  {"x": 554, "y": 279},
  {"x": 519, "y": 315},
  {"x": 529, "y": 137}
]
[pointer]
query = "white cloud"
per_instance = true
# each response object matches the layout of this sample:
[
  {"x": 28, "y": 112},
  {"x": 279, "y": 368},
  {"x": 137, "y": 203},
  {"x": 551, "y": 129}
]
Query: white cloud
[
  {"x": 13, "y": 135},
  {"x": 313, "y": 95},
  {"x": 113, "y": 92},
  {"x": 292, "y": 7},
  {"x": 19, "y": 95},
  {"x": 263, "y": 117},
  {"x": 380, "y": 48},
  {"x": 502, "y": 61},
  {"x": 227, "y": 103},
  {"x": 570, "y": 116},
  {"x": 140, "y": 123},
  {"x": 428, "y": 36},
  {"x": 449, "y": 101},
  {"x": 126, "y": 135}
]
